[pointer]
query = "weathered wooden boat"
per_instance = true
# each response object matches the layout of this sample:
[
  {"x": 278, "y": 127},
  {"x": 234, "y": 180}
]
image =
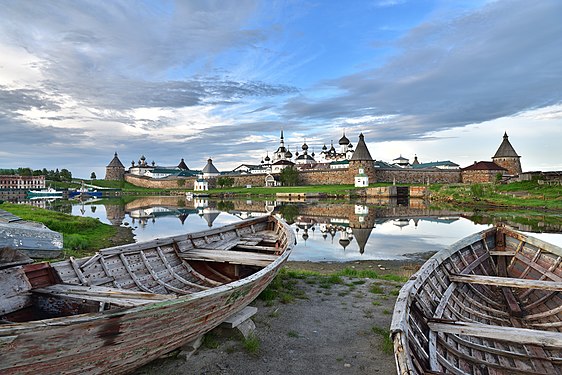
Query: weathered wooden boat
[
  {"x": 127, "y": 305},
  {"x": 489, "y": 304},
  {"x": 33, "y": 239}
]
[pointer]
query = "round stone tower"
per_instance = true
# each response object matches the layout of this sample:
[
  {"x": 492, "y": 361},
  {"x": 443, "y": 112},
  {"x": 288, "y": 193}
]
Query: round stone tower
[
  {"x": 507, "y": 158},
  {"x": 115, "y": 170}
]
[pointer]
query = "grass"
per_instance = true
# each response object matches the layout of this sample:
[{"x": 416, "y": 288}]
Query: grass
[
  {"x": 252, "y": 344},
  {"x": 525, "y": 194},
  {"x": 284, "y": 288},
  {"x": 376, "y": 289},
  {"x": 292, "y": 334},
  {"x": 387, "y": 345},
  {"x": 210, "y": 341},
  {"x": 81, "y": 235}
]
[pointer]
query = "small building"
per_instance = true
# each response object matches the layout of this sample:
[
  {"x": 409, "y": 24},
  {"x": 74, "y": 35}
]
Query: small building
[
  {"x": 201, "y": 185},
  {"x": 361, "y": 179},
  {"x": 482, "y": 172},
  {"x": 272, "y": 181},
  {"x": 115, "y": 170}
]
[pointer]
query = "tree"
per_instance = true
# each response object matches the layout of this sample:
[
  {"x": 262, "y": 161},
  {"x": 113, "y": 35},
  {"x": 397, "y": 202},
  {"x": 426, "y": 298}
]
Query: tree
[
  {"x": 225, "y": 181},
  {"x": 25, "y": 171},
  {"x": 289, "y": 176},
  {"x": 65, "y": 175},
  {"x": 93, "y": 176}
]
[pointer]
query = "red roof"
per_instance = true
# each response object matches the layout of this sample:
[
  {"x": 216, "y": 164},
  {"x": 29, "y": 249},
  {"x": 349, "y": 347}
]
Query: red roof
[{"x": 484, "y": 166}]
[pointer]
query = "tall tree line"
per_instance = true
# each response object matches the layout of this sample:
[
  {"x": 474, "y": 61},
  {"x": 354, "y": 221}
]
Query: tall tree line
[{"x": 53, "y": 175}]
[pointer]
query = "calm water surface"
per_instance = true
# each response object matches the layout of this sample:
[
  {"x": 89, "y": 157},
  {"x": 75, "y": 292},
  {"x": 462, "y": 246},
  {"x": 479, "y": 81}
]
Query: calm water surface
[{"x": 342, "y": 232}]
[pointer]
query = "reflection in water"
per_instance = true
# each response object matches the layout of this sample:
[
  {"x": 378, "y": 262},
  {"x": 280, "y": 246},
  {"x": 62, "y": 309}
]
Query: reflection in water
[{"x": 325, "y": 231}]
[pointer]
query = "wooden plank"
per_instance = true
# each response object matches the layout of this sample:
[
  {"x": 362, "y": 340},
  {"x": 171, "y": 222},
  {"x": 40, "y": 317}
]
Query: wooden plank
[
  {"x": 154, "y": 275},
  {"x": 258, "y": 248},
  {"x": 133, "y": 275},
  {"x": 234, "y": 257},
  {"x": 509, "y": 334},
  {"x": 508, "y": 253},
  {"x": 510, "y": 299},
  {"x": 102, "y": 294},
  {"x": 103, "y": 291},
  {"x": 507, "y": 282},
  {"x": 174, "y": 274},
  {"x": 76, "y": 269}
]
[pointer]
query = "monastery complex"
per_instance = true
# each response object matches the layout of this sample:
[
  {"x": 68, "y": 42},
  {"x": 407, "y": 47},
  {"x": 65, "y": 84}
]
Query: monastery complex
[{"x": 345, "y": 165}]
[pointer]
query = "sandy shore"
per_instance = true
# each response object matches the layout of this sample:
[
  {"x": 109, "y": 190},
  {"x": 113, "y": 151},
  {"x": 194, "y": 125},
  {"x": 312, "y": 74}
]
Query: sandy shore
[{"x": 328, "y": 329}]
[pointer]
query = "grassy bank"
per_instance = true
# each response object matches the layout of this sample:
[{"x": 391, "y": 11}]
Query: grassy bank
[
  {"x": 527, "y": 194},
  {"x": 81, "y": 235}
]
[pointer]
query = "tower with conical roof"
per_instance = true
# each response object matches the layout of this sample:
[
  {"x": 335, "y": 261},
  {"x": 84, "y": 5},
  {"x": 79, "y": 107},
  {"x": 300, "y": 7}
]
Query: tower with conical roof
[
  {"x": 507, "y": 158},
  {"x": 363, "y": 160},
  {"x": 115, "y": 170}
]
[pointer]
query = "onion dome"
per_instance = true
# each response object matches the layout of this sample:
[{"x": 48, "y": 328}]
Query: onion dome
[
  {"x": 304, "y": 146},
  {"x": 344, "y": 242},
  {"x": 349, "y": 146},
  {"x": 267, "y": 158},
  {"x": 344, "y": 140},
  {"x": 324, "y": 148},
  {"x": 288, "y": 154},
  {"x": 296, "y": 153},
  {"x": 142, "y": 158}
]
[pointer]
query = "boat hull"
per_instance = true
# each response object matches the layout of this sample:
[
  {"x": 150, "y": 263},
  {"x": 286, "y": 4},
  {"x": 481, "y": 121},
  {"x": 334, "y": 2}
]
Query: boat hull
[
  {"x": 489, "y": 304},
  {"x": 120, "y": 340}
]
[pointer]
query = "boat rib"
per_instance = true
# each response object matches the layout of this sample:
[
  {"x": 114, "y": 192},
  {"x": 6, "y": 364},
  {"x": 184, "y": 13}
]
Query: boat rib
[{"x": 501, "y": 312}]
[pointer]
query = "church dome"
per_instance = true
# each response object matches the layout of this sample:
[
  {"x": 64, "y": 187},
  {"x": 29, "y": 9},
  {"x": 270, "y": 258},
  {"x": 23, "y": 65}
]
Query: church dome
[
  {"x": 304, "y": 146},
  {"x": 344, "y": 140}
]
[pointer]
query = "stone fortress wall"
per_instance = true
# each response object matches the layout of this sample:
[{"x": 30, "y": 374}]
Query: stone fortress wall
[{"x": 506, "y": 157}]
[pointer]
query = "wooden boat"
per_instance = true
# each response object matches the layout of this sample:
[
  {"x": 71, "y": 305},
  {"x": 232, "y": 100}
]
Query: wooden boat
[
  {"x": 489, "y": 304},
  {"x": 127, "y": 305}
]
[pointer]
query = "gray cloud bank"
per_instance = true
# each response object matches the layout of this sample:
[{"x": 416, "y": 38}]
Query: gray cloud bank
[{"x": 499, "y": 61}]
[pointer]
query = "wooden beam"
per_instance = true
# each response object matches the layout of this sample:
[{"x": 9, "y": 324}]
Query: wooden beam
[
  {"x": 502, "y": 252},
  {"x": 234, "y": 257},
  {"x": 510, "y": 334},
  {"x": 507, "y": 282}
]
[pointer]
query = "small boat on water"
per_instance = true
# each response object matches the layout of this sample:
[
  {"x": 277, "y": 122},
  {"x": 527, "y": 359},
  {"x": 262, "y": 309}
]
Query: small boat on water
[
  {"x": 125, "y": 306},
  {"x": 45, "y": 193},
  {"x": 489, "y": 304}
]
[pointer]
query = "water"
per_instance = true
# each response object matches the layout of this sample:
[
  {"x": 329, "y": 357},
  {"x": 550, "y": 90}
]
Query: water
[{"x": 325, "y": 232}]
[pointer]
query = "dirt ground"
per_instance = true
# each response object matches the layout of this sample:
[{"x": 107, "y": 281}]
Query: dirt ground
[{"x": 328, "y": 329}]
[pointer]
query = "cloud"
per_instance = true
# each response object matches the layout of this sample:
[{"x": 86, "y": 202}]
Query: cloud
[{"x": 497, "y": 61}]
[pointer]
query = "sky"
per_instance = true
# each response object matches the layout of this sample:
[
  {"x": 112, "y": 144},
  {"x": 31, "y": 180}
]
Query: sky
[{"x": 443, "y": 80}]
